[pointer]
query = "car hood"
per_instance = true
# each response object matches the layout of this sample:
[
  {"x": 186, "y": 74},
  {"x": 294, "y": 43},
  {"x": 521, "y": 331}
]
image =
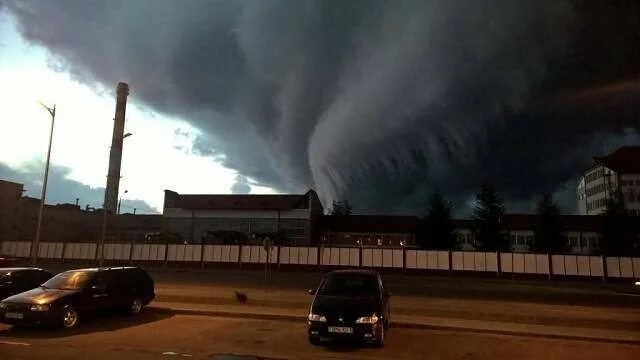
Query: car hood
[
  {"x": 346, "y": 307},
  {"x": 39, "y": 296}
]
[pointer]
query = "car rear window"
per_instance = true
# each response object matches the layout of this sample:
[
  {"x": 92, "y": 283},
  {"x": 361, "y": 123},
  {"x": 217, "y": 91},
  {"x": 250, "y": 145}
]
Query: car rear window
[{"x": 349, "y": 285}]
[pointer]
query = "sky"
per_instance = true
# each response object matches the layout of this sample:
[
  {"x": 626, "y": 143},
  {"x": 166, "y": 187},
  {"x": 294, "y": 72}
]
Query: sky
[
  {"x": 378, "y": 102},
  {"x": 158, "y": 156}
]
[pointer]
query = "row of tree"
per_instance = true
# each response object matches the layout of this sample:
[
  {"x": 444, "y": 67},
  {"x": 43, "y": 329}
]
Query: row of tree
[{"x": 620, "y": 231}]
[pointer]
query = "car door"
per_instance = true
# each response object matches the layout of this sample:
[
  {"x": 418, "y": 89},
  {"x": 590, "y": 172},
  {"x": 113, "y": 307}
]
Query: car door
[{"x": 99, "y": 294}]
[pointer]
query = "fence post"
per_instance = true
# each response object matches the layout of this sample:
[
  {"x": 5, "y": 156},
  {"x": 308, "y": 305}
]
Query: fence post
[
  {"x": 202, "y": 254},
  {"x": 450, "y": 262},
  {"x": 133, "y": 242},
  {"x": 360, "y": 257},
  {"x": 404, "y": 259},
  {"x": 166, "y": 254},
  {"x": 64, "y": 248},
  {"x": 550, "y": 265},
  {"x": 498, "y": 264}
]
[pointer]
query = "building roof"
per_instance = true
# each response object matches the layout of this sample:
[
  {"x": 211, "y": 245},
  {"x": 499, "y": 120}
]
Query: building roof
[
  {"x": 368, "y": 223},
  {"x": 235, "y": 202},
  {"x": 625, "y": 160}
]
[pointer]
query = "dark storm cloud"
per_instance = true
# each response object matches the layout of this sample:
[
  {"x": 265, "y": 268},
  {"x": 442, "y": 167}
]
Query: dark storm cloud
[
  {"x": 241, "y": 185},
  {"x": 61, "y": 189},
  {"x": 377, "y": 101}
]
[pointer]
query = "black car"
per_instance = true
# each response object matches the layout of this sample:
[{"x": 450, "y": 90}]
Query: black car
[
  {"x": 16, "y": 280},
  {"x": 349, "y": 304},
  {"x": 63, "y": 299}
]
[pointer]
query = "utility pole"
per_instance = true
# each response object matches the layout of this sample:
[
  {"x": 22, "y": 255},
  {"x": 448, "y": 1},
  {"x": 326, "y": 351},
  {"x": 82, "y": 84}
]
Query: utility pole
[{"x": 36, "y": 240}]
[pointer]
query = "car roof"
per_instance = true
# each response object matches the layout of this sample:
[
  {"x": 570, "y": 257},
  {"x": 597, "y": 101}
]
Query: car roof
[
  {"x": 14, "y": 269},
  {"x": 353, "y": 272},
  {"x": 101, "y": 269}
]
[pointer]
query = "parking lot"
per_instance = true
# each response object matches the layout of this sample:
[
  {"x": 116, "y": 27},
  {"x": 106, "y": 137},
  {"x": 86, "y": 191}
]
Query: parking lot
[{"x": 164, "y": 335}]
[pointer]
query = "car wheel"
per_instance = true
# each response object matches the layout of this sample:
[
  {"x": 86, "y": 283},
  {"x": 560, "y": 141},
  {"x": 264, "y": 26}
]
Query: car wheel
[
  {"x": 380, "y": 340},
  {"x": 70, "y": 318},
  {"x": 314, "y": 340},
  {"x": 136, "y": 306}
]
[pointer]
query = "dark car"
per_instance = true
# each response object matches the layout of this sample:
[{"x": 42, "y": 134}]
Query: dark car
[
  {"x": 16, "y": 280},
  {"x": 349, "y": 304},
  {"x": 63, "y": 299}
]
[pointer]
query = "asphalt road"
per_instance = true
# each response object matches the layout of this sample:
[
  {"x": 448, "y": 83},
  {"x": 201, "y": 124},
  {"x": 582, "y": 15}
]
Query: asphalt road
[{"x": 163, "y": 335}]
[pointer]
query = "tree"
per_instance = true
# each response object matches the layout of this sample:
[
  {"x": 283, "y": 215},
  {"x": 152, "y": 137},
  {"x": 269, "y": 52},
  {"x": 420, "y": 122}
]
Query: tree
[
  {"x": 488, "y": 211},
  {"x": 340, "y": 208},
  {"x": 549, "y": 236},
  {"x": 438, "y": 228},
  {"x": 620, "y": 230}
]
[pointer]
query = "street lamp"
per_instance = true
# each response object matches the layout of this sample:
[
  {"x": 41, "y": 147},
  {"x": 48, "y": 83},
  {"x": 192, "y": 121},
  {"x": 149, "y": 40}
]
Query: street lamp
[
  {"x": 120, "y": 202},
  {"x": 36, "y": 240}
]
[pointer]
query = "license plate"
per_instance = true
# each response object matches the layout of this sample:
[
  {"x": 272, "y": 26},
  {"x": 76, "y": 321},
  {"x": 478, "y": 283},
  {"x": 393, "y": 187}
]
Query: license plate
[
  {"x": 11, "y": 315},
  {"x": 340, "y": 330}
]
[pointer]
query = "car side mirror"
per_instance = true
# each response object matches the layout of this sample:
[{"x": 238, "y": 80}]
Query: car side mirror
[{"x": 311, "y": 291}]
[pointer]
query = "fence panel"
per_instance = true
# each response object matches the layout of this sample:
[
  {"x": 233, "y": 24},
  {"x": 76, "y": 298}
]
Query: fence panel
[
  {"x": 23, "y": 249},
  {"x": 387, "y": 258},
  {"x": 492, "y": 261},
  {"x": 506, "y": 262},
  {"x": 613, "y": 267},
  {"x": 457, "y": 260},
  {"x": 443, "y": 260},
  {"x": 376, "y": 258},
  {"x": 557, "y": 262},
  {"x": 468, "y": 261},
  {"x": 432, "y": 260},
  {"x": 584, "y": 268},
  {"x": 312, "y": 256},
  {"x": 411, "y": 259},
  {"x": 480, "y": 261},
  {"x": 542, "y": 264},
  {"x": 530, "y": 264},
  {"x": 571, "y": 264},
  {"x": 595, "y": 265},
  {"x": 344, "y": 257},
  {"x": 636, "y": 268},
  {"x": 354, "y": 257},
  {"x": 398, "y": 258},
  {"x": 626, "y": 267},
  {"x": 518, "y": 263},
  {"x": 422, "y": 259}
]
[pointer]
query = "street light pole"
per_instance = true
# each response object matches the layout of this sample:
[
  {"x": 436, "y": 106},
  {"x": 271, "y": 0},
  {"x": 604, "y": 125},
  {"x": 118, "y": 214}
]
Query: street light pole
[{"x": 36, "y": 240}]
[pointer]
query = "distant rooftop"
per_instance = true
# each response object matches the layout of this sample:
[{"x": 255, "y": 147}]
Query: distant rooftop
[{"x": 235, "y": 202}]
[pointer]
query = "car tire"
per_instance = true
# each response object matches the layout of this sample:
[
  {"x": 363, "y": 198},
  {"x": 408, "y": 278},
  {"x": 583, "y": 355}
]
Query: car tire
[
  {"x": 314, "y": 340},
  {"x": 136, "y": 306},
  {"x": 379, "y": 342},
  {"x": 70, "y": 318}
]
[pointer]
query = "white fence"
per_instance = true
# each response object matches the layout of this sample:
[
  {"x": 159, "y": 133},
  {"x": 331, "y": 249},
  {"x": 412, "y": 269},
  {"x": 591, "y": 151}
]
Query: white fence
[{"x": 341, "y": 257}]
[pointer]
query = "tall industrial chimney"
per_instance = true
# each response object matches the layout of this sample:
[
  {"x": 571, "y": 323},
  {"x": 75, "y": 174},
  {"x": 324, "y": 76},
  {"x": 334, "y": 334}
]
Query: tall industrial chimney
[{"x": 115, "y": 156}]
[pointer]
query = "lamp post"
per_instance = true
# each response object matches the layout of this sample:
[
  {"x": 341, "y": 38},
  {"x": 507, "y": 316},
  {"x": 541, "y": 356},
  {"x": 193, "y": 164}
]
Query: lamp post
[
  {"x": 120, "y": 202},
  {"x": 36, "y": 240}
]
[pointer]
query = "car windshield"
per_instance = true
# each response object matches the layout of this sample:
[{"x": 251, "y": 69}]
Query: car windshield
[
  {"x": 349, "y": 285},
  {"x": 69, "y": 280}
]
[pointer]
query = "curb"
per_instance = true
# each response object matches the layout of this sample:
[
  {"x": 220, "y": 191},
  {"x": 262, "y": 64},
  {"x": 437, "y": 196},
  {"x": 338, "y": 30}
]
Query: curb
[{"x": 399, "y": 324}]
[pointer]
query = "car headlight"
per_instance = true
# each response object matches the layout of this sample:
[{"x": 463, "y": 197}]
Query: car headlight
[
  {"x": 3, "y": 306},
  {"x": 316, "y": 317},
  {"x": 637, "y": 283},
  {"x": 40, "y": 307},
  {"x": 373, "y": 319}
]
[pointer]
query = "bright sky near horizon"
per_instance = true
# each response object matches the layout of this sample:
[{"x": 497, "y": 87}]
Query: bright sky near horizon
[{"x": 158, "y": 156}]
